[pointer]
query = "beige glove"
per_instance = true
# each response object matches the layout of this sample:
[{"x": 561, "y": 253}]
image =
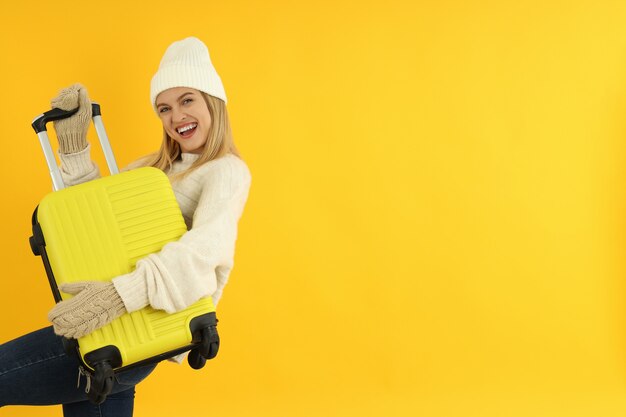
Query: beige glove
[
  {"x": 94, "y": 305},
  {"x": 72, "y": 132}
]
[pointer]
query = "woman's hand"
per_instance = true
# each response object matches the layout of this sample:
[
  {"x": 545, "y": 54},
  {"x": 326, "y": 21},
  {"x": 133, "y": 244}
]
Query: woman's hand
[
  {"x": 94, "y": 305},
  {"x": 72, "y": 132}
]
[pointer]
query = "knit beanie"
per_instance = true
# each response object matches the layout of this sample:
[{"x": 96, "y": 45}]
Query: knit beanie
[{"x": 187, "y": 63}]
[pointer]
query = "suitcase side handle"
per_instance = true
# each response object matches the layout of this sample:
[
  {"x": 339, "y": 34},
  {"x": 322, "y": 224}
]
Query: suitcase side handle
[{"x": 39, "y": 125}]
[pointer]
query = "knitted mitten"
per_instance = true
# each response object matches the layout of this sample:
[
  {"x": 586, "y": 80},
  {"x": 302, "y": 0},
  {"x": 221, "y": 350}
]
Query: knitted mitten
[
  {"x": 94, "y": 305},
  {"x": 72, "y": 132}
]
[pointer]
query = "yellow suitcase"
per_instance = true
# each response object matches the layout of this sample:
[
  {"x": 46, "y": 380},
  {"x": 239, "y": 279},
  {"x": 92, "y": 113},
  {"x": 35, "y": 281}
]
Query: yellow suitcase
[{"x": 97, "y": 231}]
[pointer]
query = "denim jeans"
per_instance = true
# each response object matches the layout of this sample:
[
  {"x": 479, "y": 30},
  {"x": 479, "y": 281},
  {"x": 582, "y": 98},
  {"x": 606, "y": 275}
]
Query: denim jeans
[{"x": 35, "y": 370}]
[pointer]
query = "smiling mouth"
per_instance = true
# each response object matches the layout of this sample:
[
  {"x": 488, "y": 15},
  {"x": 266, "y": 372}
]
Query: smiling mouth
[{"x": 187, "y": 130}]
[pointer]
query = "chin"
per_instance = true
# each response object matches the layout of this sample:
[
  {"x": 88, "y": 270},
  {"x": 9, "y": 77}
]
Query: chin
[{"x": 192, "y": 150}]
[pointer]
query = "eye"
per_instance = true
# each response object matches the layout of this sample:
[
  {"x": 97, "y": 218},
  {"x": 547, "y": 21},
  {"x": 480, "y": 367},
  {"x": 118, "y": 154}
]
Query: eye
[
  {"x": 187, "y": 100},
  {"x": 163, "y": 109}
]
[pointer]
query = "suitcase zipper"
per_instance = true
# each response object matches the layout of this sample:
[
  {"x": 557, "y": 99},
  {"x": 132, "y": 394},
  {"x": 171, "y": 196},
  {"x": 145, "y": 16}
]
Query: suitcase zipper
[{"x": 82, "y": 371}]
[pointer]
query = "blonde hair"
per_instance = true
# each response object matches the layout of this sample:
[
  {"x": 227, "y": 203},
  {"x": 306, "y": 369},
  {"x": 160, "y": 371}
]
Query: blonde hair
[{"x": 219, "y": 142}]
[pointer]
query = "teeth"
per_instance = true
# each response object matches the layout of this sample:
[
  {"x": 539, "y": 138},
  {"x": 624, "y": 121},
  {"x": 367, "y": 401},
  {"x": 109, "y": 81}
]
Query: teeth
[{"x": 186, "y": 128}]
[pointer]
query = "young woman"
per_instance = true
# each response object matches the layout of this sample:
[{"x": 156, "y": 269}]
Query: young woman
[{"x": 211, "y": 185}]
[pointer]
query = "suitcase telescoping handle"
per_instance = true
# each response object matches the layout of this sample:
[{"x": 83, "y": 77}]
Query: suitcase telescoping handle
[{"x": 39, "y": 124}]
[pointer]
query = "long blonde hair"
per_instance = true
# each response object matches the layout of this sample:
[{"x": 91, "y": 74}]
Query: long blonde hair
[{"x": 219, "y": 142}]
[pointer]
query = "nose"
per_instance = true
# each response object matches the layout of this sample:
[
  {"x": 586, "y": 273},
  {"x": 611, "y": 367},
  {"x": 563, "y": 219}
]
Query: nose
[{"x": 178, "y": 115}]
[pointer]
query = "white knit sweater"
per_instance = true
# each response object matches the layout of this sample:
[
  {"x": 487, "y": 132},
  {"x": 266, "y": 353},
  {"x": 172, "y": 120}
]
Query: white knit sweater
[{"x": 211, "y": 199}]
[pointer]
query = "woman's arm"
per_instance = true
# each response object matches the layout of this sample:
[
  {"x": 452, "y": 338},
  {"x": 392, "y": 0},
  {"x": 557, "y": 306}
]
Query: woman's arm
[
  {"x": 78, "y": 167},
  {"x": 74, "y": 150}
]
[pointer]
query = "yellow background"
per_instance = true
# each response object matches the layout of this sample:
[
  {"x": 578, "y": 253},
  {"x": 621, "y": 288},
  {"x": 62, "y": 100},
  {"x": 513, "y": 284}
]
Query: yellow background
[{"x": 436, "y": 224}]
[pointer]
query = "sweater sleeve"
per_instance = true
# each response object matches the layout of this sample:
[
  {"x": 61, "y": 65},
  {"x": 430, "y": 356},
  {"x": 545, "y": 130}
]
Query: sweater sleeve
[
  {"x": 78, "y": 167},
  {"x": 199, "y": 263}
]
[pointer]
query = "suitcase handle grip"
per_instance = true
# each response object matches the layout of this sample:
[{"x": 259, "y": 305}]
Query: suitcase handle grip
[{"x": 39, "y": 124}]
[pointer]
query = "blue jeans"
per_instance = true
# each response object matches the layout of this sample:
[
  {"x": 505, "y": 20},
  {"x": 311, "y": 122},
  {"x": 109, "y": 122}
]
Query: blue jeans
[{"x": 35, "y": 370}]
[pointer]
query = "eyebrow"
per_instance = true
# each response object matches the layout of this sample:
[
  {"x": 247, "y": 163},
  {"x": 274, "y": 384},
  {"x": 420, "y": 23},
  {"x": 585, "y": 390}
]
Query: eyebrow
[{"x": 178, "y": 99}]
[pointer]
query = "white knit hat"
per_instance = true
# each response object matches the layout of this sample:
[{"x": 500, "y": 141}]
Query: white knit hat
[{"x": 187, "y": 63}]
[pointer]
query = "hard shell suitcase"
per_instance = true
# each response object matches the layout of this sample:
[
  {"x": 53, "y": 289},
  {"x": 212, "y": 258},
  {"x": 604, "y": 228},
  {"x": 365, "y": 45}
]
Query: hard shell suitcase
[{"x": 97, "y": 231}]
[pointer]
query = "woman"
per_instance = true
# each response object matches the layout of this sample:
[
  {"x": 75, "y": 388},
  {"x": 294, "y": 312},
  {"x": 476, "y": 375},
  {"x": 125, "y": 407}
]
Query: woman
[{"x": 211, "y": 185}]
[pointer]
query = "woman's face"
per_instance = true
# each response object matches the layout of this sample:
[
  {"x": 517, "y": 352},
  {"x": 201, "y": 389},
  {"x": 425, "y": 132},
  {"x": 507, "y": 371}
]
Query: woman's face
[{"x": 185, "y": 117}]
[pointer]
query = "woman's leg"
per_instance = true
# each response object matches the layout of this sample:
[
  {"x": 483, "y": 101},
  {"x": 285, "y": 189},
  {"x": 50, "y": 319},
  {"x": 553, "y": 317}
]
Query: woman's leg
[
  {"x": 35, "y": 370},
  {"x": 119, "y": 404}
]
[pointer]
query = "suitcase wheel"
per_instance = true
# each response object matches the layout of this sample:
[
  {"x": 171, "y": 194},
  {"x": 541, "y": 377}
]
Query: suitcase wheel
[
  {"x": 195, "y": 359},
  {"x": 102, "y": 382},
  {"x": 207, "y": 349}
]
